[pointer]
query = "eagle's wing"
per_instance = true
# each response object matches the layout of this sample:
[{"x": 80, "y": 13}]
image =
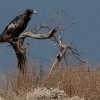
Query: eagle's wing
[{"x": 16, "y": 27}]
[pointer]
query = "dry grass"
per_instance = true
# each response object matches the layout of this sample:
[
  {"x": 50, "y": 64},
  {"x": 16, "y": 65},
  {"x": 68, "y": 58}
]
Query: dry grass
[
  {"x": 81, "y": 80},
  {"x": 2, "y": 84}
]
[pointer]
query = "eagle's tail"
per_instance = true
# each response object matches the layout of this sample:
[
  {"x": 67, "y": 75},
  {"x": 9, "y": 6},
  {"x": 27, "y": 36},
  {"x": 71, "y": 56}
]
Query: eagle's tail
[
  {"x": 1, "y": 38},
  {"x": 4, "y": 38}
]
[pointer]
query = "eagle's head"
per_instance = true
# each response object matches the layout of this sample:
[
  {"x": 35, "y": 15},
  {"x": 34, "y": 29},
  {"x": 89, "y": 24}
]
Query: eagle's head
[{"x": 29, "y": 12}]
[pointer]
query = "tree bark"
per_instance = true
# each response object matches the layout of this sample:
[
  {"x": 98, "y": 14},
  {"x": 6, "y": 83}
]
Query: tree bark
[
  {"x": 22, "y": 63},
  {"x": 63, "y": 49},
  {"x": 41, "y": 36},
  {"x": 20, "y": 52}
]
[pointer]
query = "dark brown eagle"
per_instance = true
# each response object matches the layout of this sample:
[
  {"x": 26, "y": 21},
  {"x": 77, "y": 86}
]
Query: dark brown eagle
[{"x": 17, "y": 25}]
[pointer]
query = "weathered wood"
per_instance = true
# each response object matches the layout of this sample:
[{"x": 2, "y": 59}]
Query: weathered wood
[
  {"x": 40, "y": 36},
  {"x": 63, "y": 49},
  {"x": 20, "y": 52}
]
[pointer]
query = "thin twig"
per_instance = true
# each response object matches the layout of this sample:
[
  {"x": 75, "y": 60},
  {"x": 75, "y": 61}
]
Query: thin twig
[
  {"x": 59, "y": 84},
  {"x": 69, "y": 25},
  {"x": 45, "y": 25}
]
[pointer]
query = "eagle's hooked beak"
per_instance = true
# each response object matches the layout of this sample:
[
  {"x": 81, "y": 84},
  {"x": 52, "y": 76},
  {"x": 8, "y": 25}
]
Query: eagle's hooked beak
[{"x": 34, "y": 12}]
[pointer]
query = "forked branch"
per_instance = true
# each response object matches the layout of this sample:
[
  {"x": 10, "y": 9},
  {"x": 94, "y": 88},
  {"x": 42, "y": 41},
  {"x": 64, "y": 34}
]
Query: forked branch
[
  {"x": 63, "y": 50},
  {"x": 41, "y": 36}
]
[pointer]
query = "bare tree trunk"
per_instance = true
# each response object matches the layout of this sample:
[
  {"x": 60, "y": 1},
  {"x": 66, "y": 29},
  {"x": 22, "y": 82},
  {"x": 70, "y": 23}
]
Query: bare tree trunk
[
  {"x": 20, "y": 52},
  {"x": 21, "y": 71},
  {"x": 22, "y": 63}
]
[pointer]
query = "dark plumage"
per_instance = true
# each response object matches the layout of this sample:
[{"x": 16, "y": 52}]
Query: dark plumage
[{"x": 17, "y": 25}]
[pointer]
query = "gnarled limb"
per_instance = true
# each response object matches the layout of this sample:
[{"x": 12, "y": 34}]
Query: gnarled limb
[
  {"x": 41, "y": 36},
  {"x": 63, "y": 49}
]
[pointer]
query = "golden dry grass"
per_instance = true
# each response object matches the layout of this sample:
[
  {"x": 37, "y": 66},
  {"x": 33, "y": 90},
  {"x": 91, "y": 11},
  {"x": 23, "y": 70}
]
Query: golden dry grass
[{"x": 81, "y": 80}]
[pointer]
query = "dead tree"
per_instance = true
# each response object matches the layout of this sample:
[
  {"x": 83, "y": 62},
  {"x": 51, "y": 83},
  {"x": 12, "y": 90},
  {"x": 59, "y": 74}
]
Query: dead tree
[{"x": 20, "y": 48}]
